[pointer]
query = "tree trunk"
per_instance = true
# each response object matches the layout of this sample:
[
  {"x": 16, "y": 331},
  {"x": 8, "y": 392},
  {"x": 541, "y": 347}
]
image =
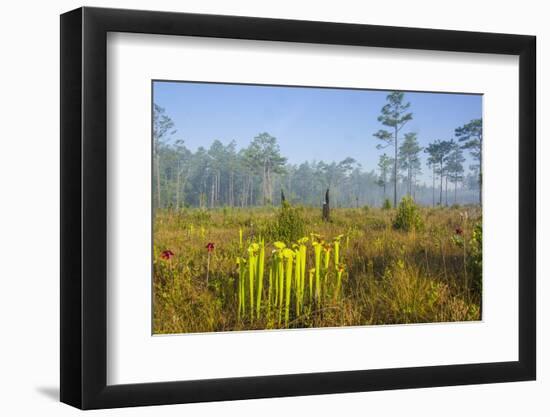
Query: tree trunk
[
  {"x": 246, "y": 191},
  {"x": 231, "y": 185},
  {"x": 446, "y": 190},
  {"x": 265, "y": 183},
  {"x": 455, "y": 188},
  {"x": 243, "y": 193},
  {"x": 410, "y": 182},
  {"x": 204, "y": 193},
  {"x": 433, "y": 186},
  {"x": 182, "y": 190},
  {"x": 251, "y": 190},
  {"x": 178, "y": 178},
  {"x": 441, "y": 186},
  {"x": 217, "y": 193},
  {"x": 269, "y": 186},
  {"x": 212, "y": 193},
  {"x": 326, "y": 207},
  {"x": 290, "y": 184}
]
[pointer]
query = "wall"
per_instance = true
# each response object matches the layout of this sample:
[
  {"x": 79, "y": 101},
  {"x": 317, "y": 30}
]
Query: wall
[{"x": 30, "y": 202}]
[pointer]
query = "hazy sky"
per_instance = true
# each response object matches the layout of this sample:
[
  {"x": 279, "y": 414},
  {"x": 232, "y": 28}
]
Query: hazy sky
[{"x": 327, "y": 124}]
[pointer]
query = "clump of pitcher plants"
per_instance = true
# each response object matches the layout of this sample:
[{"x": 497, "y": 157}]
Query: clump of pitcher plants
[{"x": 284, "y": 284}]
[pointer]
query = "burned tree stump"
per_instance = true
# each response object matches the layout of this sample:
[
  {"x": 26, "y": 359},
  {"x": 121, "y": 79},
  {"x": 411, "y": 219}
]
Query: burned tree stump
[
  {"x": 282, "y": 197},
  {"x": 326, "y": 207}
]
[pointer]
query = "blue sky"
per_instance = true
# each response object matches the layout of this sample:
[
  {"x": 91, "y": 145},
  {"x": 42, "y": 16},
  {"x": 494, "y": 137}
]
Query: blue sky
[{"x": 327, "y": 124}]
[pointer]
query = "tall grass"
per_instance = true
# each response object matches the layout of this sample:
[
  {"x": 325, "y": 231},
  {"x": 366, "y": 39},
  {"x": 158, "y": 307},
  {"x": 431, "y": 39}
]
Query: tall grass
[{"x": 357, "y": 269}]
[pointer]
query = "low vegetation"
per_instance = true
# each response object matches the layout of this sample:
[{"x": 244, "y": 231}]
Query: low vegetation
[{"x": 268, "y": 268}]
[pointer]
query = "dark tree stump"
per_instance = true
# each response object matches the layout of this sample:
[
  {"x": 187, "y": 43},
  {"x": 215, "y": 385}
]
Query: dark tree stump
[{"x": 326, "y": 207}]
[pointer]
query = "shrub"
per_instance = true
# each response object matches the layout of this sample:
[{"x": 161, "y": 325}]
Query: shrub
[
  {"x": 290, "y": 223},
  {"x": 366, "y": 209},
  {"x": 387, "y": 204},
  {"x": 408, "y": 216}
]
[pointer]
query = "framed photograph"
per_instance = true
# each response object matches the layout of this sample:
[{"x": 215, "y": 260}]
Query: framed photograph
[{"x": 257, "y": 208}]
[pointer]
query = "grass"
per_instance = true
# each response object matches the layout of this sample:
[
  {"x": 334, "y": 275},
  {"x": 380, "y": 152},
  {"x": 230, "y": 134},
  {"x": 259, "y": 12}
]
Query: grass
[{"x": 357, "y": 269}]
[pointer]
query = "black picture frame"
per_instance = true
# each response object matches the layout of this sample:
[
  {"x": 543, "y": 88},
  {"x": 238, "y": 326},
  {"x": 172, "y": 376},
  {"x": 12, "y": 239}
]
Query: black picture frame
[{"x": 84, "y": 207}]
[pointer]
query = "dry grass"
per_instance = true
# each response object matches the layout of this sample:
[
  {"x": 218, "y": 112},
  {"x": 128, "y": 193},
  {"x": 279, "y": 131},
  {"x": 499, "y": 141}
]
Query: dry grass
[{"x": 390, "y": 276}]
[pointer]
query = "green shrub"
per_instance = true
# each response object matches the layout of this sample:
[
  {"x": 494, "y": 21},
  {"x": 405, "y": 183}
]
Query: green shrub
[
  {"x": 387, "y": 204},
  {"x": 266, "y": 228},
  {"x": 290, "y": 223},
  {"x": 366, "y": 209},
  {"x": 287, "y": 226},
  {"x": 408, "y": 216}
]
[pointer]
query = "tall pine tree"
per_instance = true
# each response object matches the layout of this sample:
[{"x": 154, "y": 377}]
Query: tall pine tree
[{"x": 395, "y": 114}]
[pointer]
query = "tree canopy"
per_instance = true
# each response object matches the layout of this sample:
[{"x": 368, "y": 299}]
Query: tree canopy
[{"x": 224, "y": 175}]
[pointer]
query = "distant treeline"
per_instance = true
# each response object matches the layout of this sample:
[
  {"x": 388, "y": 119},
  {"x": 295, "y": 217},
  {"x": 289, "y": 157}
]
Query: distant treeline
[{"x": 257, "y": 175}]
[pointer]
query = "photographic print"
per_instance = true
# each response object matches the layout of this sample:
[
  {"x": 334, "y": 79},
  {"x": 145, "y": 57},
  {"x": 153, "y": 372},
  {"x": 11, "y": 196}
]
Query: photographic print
[{"x": 291, "y": 207}]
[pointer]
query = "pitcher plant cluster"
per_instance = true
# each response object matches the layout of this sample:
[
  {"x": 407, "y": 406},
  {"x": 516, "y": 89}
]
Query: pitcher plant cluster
[{"x": 281, "y": 282}]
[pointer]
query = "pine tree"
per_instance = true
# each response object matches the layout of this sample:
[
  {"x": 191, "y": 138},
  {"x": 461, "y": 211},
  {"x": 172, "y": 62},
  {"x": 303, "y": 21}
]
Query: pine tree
[
  {"x": 162, "y": 129},
  {"x": 409, "y": 160},
  {"x": 471, "y": 135},
  {"x": 438, "y": 151},
  {"x": 394, "y": 115},
  {"x": 384, "y": 165},
  {"x": 454, "y": 165}
]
